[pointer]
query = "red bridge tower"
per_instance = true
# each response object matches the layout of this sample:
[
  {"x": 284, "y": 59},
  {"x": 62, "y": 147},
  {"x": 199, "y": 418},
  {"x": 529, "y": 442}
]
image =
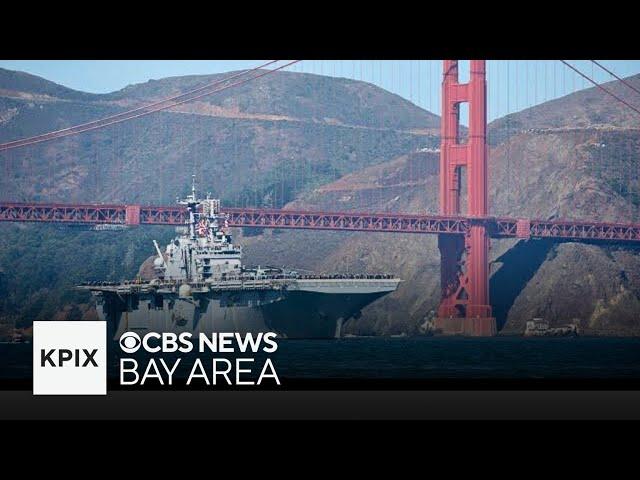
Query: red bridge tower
[{"x": 464, "y": 308}]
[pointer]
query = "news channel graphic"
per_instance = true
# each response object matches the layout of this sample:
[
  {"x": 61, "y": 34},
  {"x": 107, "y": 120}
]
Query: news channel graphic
[
  {"x": 176, "y": 357},
  {"x": 70, "y": 358}
]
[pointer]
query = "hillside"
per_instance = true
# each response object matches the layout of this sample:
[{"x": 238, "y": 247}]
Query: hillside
[
  {"x": 23, "y": 85},
  {"x": 585, "y": 109},
  {"x": 263, "y": 131}
]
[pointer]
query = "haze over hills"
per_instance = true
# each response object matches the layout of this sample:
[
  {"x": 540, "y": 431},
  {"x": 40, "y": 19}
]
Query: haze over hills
[{"x": 363, "y": 149}]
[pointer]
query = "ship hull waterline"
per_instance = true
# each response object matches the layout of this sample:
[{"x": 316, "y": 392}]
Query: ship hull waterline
[{"x": 290, "y": 314}]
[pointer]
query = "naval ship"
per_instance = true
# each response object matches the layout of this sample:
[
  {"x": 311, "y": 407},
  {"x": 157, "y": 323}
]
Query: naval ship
[{"x": 201, "y": 285}]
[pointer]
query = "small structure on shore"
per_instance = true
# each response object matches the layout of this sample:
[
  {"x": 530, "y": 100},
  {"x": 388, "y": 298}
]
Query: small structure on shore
[{"x": 539, "y": 327}]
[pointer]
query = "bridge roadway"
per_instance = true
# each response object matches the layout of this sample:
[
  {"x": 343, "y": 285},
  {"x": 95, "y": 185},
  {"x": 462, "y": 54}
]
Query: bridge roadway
[{"x": 111, "y": 214}]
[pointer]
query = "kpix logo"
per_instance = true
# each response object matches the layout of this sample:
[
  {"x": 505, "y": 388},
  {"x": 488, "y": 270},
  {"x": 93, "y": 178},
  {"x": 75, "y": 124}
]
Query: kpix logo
[
  {"x": 65, "y": 355},
  {"x": 69, "y": 358}
]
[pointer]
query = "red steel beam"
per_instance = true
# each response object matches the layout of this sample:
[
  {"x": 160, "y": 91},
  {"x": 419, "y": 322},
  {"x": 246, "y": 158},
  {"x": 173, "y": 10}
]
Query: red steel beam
[
  {"x": 568, "y": 229},
  {"x": 341, "y": 221},
  {"x": 54, "y": 212},
  {"x": 347, "y": 221}
]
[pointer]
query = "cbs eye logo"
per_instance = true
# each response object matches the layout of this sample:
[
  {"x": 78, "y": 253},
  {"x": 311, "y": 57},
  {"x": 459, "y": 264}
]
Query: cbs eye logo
[{"x": 130, "y": 342}]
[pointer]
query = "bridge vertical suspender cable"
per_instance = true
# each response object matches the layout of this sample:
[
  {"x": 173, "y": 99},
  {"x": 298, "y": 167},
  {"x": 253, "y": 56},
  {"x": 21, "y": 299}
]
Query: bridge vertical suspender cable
[
  {"x": 627, "y": 178},
  {"x": 613, "y": 95}
]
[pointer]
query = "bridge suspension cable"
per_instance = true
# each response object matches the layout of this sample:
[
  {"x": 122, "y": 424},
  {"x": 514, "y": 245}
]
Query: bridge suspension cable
[
  {"x": 617, "y": 77},
  {"x": 149, "y": 109},
  {"x": 608, "y": 92}
]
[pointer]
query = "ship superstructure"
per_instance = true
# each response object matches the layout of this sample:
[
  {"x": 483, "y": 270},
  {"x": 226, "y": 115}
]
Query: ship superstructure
[
  {"x": 205, "y": 250},
  {"x": 201, "y": 284}
]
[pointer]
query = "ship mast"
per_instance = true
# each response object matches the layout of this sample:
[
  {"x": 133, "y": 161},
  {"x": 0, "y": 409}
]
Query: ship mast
[
  {"x": 192, "y": 204},
  {"x": 192, "y": 209}
]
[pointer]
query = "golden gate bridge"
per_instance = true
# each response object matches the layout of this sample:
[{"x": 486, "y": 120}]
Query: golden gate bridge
[{"x": 463, "y": 233}]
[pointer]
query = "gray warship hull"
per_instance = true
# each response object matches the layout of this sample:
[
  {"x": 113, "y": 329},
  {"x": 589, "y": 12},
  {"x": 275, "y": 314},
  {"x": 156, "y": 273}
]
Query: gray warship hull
[{"x": 298, "y": 309}]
